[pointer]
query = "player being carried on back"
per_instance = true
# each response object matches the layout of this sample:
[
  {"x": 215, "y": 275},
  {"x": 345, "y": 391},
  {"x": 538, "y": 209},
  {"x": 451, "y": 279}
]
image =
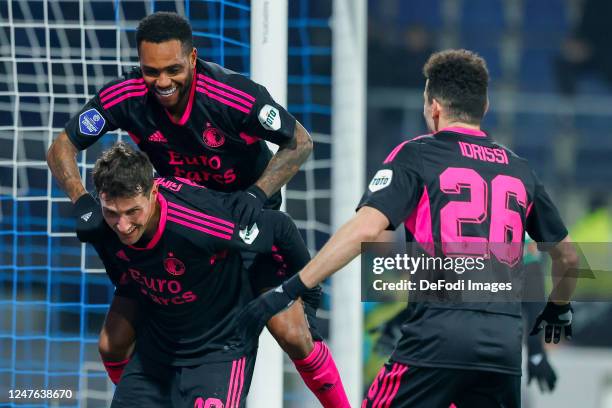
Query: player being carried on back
[
  {"x": 455, "y": 189},
  {"x": 174, "y": 247},
  {"x": 200, "y": 121}
]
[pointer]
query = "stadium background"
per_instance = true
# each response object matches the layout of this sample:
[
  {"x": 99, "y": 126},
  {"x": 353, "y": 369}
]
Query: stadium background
[{"x": 53, "y": 54}]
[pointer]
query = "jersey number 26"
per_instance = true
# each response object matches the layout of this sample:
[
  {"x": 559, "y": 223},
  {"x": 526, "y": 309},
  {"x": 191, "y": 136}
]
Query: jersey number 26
[{"x": 506, "y": 226}]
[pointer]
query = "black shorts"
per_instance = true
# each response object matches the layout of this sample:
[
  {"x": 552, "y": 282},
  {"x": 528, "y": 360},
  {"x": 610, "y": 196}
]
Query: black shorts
[
  {"x": 146, "y": 383},
  {"x": 401, "y": 386}
]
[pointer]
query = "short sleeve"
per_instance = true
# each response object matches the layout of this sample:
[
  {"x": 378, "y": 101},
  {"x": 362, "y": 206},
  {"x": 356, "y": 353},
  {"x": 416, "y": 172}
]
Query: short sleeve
[
  {"x": 544, "y": 224},
  {"x": 104, "y": 112},
  {"x": 266, "y": 119},
  {"x": 395, "y": 189}
]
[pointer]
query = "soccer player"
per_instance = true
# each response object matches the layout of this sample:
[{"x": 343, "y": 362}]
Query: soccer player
[
  {"x": 174, "y": 247},
  {"x": 199, "y": 121},
  {"x": 454, "y": 186},
  {"x": 538, "y": 366}
]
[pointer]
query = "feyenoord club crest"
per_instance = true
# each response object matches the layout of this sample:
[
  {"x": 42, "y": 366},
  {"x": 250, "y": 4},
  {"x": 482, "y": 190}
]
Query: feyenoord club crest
[
  {"x": 212, "y": 137},
  {"x": 174, "y": 266}
]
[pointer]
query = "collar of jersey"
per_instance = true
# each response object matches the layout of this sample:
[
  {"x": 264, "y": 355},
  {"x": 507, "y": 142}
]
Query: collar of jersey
[
  {"x": 160, "y": 227},
  {"x": 187, "y": 112},
  {"x": 464, "y": 131}
]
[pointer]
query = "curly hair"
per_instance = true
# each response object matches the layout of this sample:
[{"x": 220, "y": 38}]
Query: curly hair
[
  {"x": 164, "y": 26},
  {"x": 122, "y": 172},
  {"x": 458, "y": 79}
]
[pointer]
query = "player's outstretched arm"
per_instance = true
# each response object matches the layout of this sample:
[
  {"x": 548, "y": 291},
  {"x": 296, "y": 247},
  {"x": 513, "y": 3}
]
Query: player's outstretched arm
[
  {"x": 365, "y": 226},
  {"x": 61, "y": 158},
  {"x": 342, "y": 247}
]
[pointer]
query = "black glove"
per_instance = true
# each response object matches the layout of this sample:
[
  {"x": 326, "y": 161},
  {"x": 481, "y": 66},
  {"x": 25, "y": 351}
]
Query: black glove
[
  {"x": 553, "y": 318},
  {"x": 255, "y": 315},
  {"x": 89, "y": 220},
  {"x": 247, "y": 205},
  {"x": 539, "y": 368},
  {"x": 312, "y": 297}
]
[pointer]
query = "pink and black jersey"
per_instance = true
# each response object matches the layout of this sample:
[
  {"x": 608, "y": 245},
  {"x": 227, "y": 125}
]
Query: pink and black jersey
[
  {"x": 217, "y": 143},
  {"x": 188, "y": 277},
  {"x": 459, "y": 193}
]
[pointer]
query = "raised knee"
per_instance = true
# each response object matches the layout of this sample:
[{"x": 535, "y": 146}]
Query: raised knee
[
  {"x": 295, "y": 340},
  {"x": 114, "y": 347}
]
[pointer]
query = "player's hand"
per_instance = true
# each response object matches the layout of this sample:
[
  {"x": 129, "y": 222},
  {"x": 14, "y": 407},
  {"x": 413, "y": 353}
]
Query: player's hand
[
  {"x": 255, "y": 315},
  {"x": 312, "y": 297},
  {"x": 553, "y": 319},
  {"x": 89, "y": 220},
  {"x": 247, "y": 204},
  {"x": 539, "y": 368}
]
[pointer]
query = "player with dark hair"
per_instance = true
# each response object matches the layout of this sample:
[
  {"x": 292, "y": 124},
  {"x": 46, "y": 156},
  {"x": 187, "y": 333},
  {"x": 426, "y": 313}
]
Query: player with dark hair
[
  {"x": 161, "y": 27},
  {"x": 199, "y": 121},
  {"x": 173, "y": 247},
  {"x": 454, "y": 190}
]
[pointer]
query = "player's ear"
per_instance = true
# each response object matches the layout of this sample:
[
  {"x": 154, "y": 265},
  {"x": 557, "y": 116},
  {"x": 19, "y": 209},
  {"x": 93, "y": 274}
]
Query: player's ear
[
  {"x": 193, "y": 56},
  {"x": 154, "y": 191},
  {"x": 436, "y": 108},
  {"x": 486, "y": 109}
]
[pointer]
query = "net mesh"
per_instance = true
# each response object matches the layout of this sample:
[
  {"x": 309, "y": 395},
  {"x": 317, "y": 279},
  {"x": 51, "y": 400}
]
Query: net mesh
[
  {"x": 308, "y": 194},
  {"x": 54, "y": 294},
  {"x": 54, "y": 55}
]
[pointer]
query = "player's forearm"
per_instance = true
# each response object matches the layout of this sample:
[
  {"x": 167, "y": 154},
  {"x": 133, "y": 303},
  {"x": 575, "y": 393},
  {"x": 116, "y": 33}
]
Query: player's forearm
[
  {"x": 61, "y": 158},
  {"x": 564, "y": 271},
  {"x": 534, "y": 286},
  {"x": 564, "y": 281},
  {"x": 286, "y": 162},
  {"x": 343, "y": 247}
]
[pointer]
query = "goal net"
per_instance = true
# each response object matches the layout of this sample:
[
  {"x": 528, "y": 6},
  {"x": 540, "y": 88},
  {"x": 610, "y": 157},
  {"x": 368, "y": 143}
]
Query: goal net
[{"x": 54, "y": 55}]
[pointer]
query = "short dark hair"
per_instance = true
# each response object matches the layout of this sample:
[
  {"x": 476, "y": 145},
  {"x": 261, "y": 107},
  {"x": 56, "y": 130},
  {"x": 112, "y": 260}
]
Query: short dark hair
[
  {"x": 123, "y": 172},
  {"x": 164, "y": 26},
  {"x": 458, "y": 79}
]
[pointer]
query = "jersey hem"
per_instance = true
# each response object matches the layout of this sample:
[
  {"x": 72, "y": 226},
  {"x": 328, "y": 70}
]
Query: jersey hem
[
  {"x": 456, "y": 365},
  {"x": 472, "y": 309},
  {"x": 544, "y": 246},
  {"x": 211, "y": 357}
]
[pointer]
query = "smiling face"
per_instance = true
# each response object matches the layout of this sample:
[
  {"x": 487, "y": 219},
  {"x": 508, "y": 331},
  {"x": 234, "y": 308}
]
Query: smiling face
[
  {"x": 130, "y": 217},
  {"x": 168, "y": 72}
]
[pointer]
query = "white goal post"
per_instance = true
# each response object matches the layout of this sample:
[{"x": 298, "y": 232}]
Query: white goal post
[
  {"x": 269, "y": 26},
  {"x": 348, "y": 173}
]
